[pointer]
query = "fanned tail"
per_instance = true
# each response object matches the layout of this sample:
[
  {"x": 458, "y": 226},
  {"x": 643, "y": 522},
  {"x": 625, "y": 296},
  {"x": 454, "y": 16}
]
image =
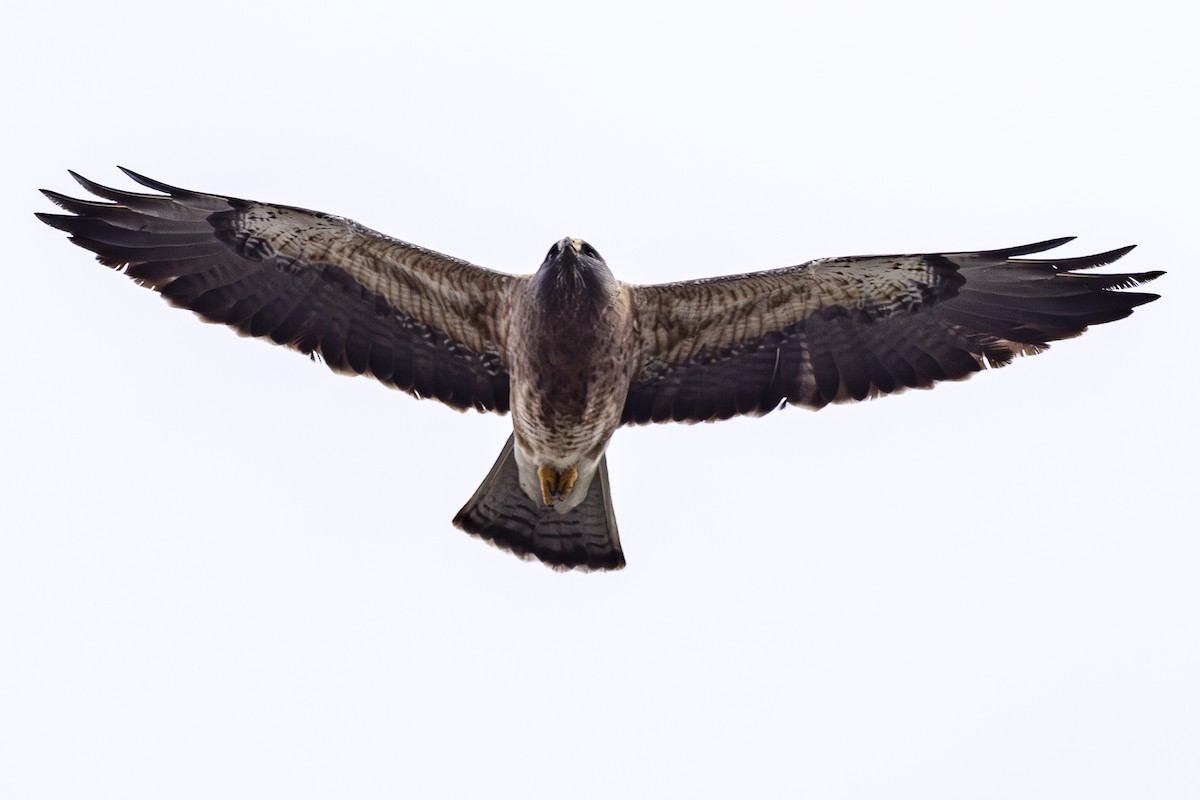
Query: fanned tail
[{"x": 584, "y": 537}]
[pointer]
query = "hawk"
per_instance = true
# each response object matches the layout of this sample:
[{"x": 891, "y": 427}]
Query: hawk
[{"x": 572, "y": 352}]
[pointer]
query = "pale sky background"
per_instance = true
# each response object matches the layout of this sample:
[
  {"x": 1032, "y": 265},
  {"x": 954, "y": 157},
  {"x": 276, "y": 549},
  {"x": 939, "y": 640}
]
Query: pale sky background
[{"x": 226, "y": 572}]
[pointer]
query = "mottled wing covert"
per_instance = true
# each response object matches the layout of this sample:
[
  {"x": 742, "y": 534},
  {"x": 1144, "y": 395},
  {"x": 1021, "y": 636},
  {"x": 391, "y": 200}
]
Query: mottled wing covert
[
  {"x": 365, "y": 303},
  {"x": 844, "y": 329}
]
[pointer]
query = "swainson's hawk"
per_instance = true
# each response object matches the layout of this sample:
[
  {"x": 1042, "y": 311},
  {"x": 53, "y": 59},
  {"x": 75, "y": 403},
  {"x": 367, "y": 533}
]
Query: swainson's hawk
[{"x": 575, "y": 353}]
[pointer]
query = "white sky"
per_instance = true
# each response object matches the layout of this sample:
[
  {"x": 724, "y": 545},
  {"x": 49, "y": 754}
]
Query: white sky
[{"x": 226, "y": 572}]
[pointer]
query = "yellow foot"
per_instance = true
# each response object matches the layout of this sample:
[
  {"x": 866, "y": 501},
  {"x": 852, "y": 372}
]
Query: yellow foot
[
  {"x": 549, "y": 481},
  {"x": 566, "y": 482},
  {"x": 556, "y": 484}
]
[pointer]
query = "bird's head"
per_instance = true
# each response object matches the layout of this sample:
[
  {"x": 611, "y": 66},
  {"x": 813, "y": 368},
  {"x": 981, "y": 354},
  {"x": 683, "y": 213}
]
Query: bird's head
[{"x": 574, "y": 267}]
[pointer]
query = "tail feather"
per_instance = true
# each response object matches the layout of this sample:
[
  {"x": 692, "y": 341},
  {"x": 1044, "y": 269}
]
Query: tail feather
[{"x": 582, "y": 538}]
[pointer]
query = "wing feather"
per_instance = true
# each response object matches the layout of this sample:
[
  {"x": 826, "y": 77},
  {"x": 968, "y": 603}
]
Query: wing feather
[
  {"x": 364, "y": 303},
  {"x": 843, "y": 330}
]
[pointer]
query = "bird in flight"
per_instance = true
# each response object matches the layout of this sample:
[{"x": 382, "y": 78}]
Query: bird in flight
[{"x": 572, "y": 352}]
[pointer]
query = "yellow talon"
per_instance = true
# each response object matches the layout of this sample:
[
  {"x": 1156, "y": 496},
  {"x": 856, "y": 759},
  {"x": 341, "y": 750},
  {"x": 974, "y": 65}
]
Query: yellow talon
[
  {"x": 566, "y": 482},
  {"x": 549, "y": 482},
  {"x": 556, "y": 484}
]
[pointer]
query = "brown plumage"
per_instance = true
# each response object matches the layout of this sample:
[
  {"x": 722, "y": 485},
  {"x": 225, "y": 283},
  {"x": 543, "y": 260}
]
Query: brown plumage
[
  {"x": 576, "y": 353},
  {"x": 845, "y": 329}
]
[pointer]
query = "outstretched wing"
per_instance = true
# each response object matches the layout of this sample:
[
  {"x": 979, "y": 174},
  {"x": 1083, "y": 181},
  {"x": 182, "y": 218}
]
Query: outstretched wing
[
  {"x": 844, "y": 329},
  {"x": 423, "y": 322}
]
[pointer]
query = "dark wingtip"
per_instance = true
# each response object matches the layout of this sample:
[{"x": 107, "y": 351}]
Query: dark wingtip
[
  {"x": 97, "y": 189},
  {"x": 1135, "y": 299},
  {"x": 82, "y": 181},
  {"x": 1138, "y": 278},
  {"x": 1113, "y": 255},
  {"x": 150, "y": 183},
  {"x": 74, "y": 204},
  {"x": 1036, "y": 247},
  {"x": 60, "y": 221},
  {"x": 1088, "y": 262}
]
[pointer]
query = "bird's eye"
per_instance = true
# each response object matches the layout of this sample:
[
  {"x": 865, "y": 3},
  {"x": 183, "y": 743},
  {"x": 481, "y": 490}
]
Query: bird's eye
[
  {"x": 554, "y": 251},
  {"x": 589, "y": 251}
]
